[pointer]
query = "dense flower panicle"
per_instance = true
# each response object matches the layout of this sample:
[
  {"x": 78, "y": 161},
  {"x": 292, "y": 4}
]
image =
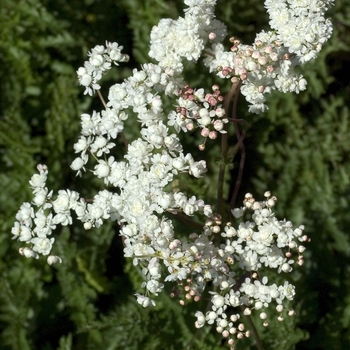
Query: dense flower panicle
[
  {"x": 171, "y": 40},
  {"x": 299, "y": 32},
  {"x": 301, "y": 25},
  {"x": 141, "y": 193}
]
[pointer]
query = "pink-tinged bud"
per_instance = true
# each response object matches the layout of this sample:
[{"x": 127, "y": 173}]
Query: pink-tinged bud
[
  {"x": 174, "y": 244},
  {"x": 208, "y": 96},
  {"x": 234, "y": 48},
  {"x": 267, "y": 49},
  {"x": 220, "y": 98},
  {"x": 213, "y": 135},
  {"x": 225, "y": 72},
  {"x": 255, "y": 54},
  {"x": 286, "y": 56},
  {"x": 262, "y": 60},
  {"x": 212, "y": 101},
  {"x": 258, "y": 43},
  {"x": 215, "y": 87},
  {"x": 205, "y": 132},
  {"x": 201, "y": 147},
  {"x": 218, "y": 125},
  {"x": 273, "y": 56},
  {"x": 236, "y": 42},
  {"x": 248, "y": 52},
  {"x": 225, "y": 334},
  {"x": 261, "y": 88},
  {"x": 191, "y": 97},
  {"x": 212, "y": 36},
  {"x": 246, "y": 312},
  {"x": 269, "y": 69},
  {"x": 243, "y": 76},
  {"x": 238, "y": 61},
  {"x": 189, "y": 126},
  {"x": 301, "y": 249}
]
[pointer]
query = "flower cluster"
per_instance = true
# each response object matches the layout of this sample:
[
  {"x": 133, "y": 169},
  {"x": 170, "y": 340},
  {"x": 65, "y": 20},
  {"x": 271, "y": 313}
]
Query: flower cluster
[
  {"x": 199, "y": 110},
  {"x": 173, "y": 40},
  {"x": 232, "y": 255},
  {"x": 299, "y": 32},
  {"x": 262, "y": 67},
  {"x": 263, "y": 241},
  {"x": 301, "y": 25},
  {"x": 99, "y": 62},
  {"x": 35, "y": 227}
]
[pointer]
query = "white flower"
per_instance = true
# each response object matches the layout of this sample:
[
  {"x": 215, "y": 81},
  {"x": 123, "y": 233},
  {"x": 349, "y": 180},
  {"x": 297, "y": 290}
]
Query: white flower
[
  {"x": 28, "y": 253},
  {"x": 42, "y": 245},
  {"x": 145, "y": 301},
  {"x": 38, "y": 180},
  {"x": 218, "y": 300},
  {"x": 200, "y": 319},
  {"x": 102, "y": 169},
  {"x": 287, "y": 291},
  {"x": 23, "y": 233},
  {"x": 53, "y": 259},
  {"x": 25, "y": 214},
  {"x": 197, "y": 169},
  {"x": 154, "y": 286},
  {"x": 210, "y": 317},
  {"x": 77, "y": 164}
]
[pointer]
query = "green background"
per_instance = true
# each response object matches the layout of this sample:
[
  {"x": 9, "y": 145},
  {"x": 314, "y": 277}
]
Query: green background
[{"x": 299, "y": 150}]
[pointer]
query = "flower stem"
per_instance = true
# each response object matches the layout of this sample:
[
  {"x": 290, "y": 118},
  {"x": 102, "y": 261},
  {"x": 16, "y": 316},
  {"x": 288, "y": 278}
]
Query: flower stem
[
  {"x": 186, "y": 220},
  {"x": 254, "y": 331},
  {"x": 224, "y": 147},
  {"x": 102, "y": 99}
]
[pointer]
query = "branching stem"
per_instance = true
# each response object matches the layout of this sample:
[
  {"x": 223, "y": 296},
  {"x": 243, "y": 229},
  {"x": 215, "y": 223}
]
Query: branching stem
[
  {"x": 253, "y": 329},
  {"x": 224, "y": 146}
]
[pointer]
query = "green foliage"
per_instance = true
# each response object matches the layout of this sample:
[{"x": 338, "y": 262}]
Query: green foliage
[{"x": 299, "y": 150}]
